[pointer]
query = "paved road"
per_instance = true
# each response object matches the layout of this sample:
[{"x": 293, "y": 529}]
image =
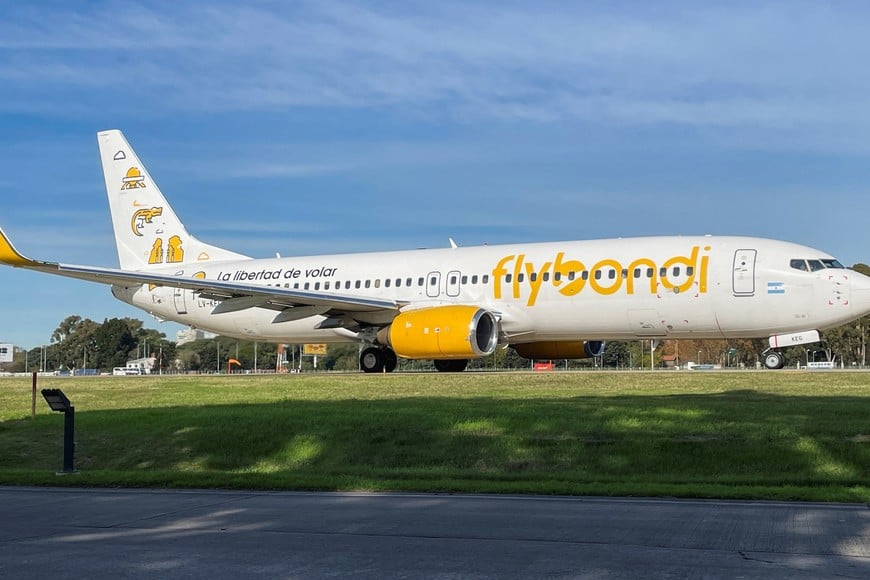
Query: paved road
[{"x": 92, "y": 533}]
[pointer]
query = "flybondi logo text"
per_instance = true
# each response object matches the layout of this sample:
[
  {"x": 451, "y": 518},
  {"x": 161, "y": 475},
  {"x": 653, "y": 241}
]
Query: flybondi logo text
[{"x": 522, "y": 278}]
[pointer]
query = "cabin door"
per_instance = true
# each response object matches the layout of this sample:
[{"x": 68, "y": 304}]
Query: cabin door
[
  {"x": 743, "y": 273},
  {"x": 178, "y": 296}
]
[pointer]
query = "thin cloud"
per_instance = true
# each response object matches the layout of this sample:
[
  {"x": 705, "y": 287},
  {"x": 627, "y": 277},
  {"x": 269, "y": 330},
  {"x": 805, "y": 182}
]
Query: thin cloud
[{"x": 693, "y": 66}]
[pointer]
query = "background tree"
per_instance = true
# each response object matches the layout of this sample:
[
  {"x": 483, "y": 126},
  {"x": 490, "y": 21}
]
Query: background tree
[{"x": 113, "y": 343}]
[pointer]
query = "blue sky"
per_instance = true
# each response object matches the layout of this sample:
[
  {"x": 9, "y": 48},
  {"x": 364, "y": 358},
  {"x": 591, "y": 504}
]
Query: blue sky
[{"x": 315, "y": 127}]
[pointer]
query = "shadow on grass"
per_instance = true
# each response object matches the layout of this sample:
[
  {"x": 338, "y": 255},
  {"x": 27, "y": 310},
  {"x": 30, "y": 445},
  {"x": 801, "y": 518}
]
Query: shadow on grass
[{"x": 638, "y": 444}]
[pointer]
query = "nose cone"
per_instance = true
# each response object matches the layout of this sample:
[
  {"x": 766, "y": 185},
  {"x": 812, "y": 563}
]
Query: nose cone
[{"x": 860, "y": 294}]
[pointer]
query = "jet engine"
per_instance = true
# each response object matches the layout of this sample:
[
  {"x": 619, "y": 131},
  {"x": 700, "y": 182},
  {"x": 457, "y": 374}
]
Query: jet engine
[
  {"x": 442, "y": 332},
  {"x": 553, "y": 349}
]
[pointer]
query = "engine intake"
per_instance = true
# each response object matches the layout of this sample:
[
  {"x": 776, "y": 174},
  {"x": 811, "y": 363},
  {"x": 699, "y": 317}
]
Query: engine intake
[
  {"x": 554, "y": 349},
  {"x": 442, "y": 332}
]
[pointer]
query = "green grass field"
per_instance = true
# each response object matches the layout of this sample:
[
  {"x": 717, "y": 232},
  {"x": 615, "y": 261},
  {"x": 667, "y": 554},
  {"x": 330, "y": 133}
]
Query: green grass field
[{"x": 783, "y": 435}]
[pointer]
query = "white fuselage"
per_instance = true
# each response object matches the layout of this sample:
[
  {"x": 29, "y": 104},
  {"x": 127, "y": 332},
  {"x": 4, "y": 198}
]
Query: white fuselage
[{"x": 677, "y": 287}]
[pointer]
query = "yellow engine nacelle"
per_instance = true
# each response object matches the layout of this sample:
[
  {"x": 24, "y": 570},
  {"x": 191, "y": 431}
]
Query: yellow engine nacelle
[
  {"x": 442, "y": 332},
  {"x": 553, "y": 349}
]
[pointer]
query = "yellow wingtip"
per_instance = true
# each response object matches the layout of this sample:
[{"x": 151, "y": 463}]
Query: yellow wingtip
[{"x": 9, "y": 255}]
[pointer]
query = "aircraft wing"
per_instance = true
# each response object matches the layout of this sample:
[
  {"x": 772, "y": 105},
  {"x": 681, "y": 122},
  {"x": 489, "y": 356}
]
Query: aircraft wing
[{"x": 235, "y": 295}]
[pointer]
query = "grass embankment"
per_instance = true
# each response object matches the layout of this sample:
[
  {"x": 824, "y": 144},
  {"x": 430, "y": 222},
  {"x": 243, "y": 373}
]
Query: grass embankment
[{"x": 783, "y": 435}]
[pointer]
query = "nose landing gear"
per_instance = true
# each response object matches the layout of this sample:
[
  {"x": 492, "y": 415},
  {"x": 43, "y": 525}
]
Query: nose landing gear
[{"x": 774, "y": 359}]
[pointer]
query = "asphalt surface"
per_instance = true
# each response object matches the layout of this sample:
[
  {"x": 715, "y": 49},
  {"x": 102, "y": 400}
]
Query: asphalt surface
[{"x": 94, "y": 533}]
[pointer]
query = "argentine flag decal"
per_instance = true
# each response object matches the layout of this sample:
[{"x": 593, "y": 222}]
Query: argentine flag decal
[{"x": 776, "y": 287}]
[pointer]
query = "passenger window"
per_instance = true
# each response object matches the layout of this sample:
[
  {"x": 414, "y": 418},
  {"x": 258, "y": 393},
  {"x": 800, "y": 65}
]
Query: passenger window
[
  {"x": 520, "y": 277},
  {"x": 486, "y": 278},
  {"x": 358, "y": 284},
  {"x": 637, "y": 272},
  {"x": 611, "y": 274},
  {"x": 452, "y": 279},
  {"x": 533, "y": 277},
  {"x": 557, "y": 276},
  {"x": 347, "y": 285},
  {"x": 378, "y": 283},
  {"x": 597, "y": 274},
  {"x": 663, "y": 272},
  {"x": 546, "y": 276},
  {"x": 624, "y": 273},
  {"x": 368, "y": 283},
  {"x": 326, "y": 285},
  {"x": 433, "y": 281},
  {"x": 571, "y": 275},
  {"x": 676, "y": 270},
  {"x": 296, "y": 286},
  {"x": 585, "y": 274},
  {"x": 408, "y": 282},
  {"x": 398, "y": 282},
  {"x": 317, "y": 285},
  {"x": 690, "y": 270},
  {"x": 649, "y": 272},
  {"x": 306, "y": 285},
  {"x": 474, "y": 279},
  {"x": 507, "y": 279},
  {"x": 465, "y": 280},
  {"x": 387, "y": 283},
  {"x": 420, "y": 281}
]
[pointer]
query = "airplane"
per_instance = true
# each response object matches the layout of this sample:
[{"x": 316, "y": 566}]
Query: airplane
[{"x": 547, "y": 300}]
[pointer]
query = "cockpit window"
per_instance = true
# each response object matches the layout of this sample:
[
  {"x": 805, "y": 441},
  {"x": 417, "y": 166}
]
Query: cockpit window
[{"x": 814, "y": 265}]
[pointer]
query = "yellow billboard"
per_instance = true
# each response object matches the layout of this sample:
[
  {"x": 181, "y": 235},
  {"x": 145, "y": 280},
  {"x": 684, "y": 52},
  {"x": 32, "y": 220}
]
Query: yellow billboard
[{"x": 314, "y": 349}]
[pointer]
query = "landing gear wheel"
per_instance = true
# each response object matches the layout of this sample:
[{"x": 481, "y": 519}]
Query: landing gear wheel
[
  {"x": 451, "y": 366},
  {"x": 371, "y": 360},
  {"x": 391, "y": 361},
  {"x": 774, "y": 360}
]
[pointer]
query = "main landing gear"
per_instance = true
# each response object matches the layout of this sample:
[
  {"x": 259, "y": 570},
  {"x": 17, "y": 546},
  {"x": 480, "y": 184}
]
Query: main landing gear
[{"x": 378, "y": 360}]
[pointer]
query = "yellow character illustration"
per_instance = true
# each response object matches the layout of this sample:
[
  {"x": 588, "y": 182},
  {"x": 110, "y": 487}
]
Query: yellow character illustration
[
  {"x": 142, "y": 217},
  {"x": 156, "y": 256},
  {"x": 133, "y": 180},
  {"x": 175, "y": 253}
]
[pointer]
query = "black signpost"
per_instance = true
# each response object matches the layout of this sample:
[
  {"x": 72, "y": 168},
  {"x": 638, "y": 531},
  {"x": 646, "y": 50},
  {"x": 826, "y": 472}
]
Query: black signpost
[{"x": 59, "y": 402}]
